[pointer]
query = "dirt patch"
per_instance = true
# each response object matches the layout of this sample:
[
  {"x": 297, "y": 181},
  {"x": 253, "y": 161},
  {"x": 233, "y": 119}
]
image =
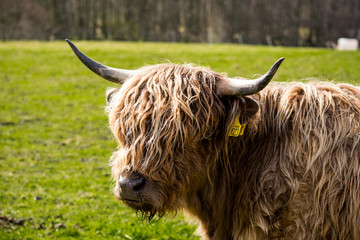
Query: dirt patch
[{"x": 8, "y": 221}]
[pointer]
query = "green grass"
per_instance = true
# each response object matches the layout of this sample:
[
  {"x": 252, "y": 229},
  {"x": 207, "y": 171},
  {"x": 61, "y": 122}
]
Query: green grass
[{"x": 55, "y": 143}]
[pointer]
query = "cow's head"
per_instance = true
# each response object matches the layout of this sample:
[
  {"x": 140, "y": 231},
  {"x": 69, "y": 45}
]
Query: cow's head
[{"x": 172, "y": 124}]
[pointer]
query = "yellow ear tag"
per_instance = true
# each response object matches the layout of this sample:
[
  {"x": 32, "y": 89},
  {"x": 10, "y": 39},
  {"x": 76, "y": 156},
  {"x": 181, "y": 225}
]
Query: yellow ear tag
[{"x": 237, "y": 129}]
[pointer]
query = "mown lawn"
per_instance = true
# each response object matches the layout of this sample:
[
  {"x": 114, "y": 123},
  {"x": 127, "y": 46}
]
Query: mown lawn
[{"x": 55, "y": 142}]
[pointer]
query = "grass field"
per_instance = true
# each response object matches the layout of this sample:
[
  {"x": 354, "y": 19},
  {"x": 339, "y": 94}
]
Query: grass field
[{"x": 55, "y": 143}]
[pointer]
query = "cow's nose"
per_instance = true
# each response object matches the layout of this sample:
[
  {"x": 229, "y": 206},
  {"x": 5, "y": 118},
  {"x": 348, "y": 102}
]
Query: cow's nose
[{"x": 131, "y": 187}]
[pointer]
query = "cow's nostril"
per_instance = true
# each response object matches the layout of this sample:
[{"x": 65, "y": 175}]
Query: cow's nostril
[{"x": 137, "y": 184}]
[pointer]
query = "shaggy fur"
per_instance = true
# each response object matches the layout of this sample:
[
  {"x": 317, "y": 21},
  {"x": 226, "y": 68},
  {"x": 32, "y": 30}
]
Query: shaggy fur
[{"x": 294, "y": 174}]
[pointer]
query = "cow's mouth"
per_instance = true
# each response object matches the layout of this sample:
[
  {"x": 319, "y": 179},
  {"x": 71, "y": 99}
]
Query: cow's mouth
[
  {"x": 147, "y": 210},
  {"x": 131, "y": 201}
]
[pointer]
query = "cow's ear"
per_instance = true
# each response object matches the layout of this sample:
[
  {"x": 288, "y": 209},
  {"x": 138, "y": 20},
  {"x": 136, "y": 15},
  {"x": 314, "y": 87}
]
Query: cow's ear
[
  {"x": 251, "y": 107},
  {"x": 109, "y": 94}
]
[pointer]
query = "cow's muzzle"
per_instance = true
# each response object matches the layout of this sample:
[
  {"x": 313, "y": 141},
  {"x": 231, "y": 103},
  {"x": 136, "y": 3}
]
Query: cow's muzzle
[{"x": 131, "y": 187}]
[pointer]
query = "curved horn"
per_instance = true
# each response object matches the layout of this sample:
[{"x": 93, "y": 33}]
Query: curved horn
[
  {"x": 233, "y": 86},
  {"x": 112, "y": 74}
]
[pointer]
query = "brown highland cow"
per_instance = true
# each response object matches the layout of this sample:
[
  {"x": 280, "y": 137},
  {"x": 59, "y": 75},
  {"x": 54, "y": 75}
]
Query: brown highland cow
[{"x": 292, "y": 173}]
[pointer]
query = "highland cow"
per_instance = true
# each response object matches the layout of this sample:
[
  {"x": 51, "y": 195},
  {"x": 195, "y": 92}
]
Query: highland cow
[{"x": 247, "y": 162}]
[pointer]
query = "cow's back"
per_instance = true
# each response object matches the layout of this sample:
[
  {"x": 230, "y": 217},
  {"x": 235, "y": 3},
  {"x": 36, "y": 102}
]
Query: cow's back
[{"x": 316, "y": 132}]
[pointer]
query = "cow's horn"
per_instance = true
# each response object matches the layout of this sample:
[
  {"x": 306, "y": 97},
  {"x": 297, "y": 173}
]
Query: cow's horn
[
  {"x": 233, "y": 86},
  {"x": 112, "y": 74}
]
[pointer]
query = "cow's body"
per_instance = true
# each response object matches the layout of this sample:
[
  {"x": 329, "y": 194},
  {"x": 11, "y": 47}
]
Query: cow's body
[
  {"x": 293, "y": 174},
  {"x": 297, "y": 169}
]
